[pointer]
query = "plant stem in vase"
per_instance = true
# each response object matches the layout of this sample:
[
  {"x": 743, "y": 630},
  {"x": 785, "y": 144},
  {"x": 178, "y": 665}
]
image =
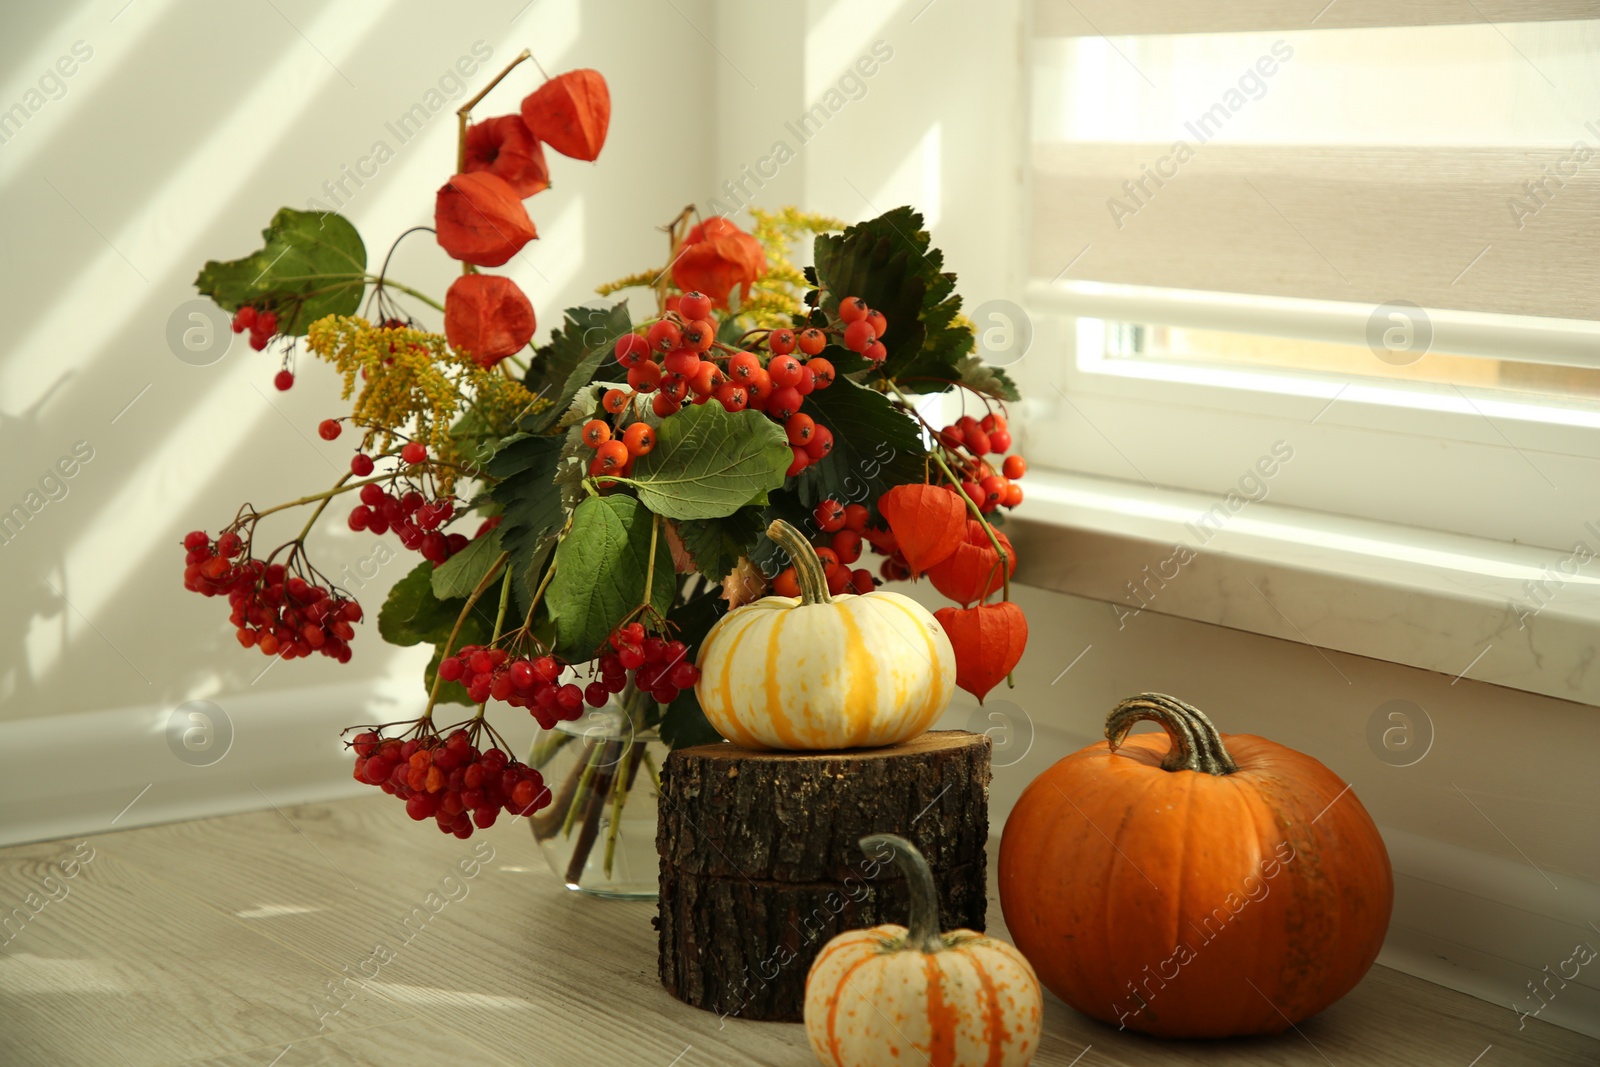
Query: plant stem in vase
[{"x": 598, "y": 778}]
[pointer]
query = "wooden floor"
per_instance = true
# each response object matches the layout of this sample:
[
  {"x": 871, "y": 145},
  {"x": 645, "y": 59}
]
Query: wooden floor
[{"x": 280, "y": 939}]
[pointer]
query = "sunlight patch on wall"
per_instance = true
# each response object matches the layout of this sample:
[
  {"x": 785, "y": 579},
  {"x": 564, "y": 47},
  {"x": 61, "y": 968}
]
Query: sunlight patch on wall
[
  {"x": 918, "y": 179},
  {"x": 187, "y": 204},
  {"x": 556, "y": 256},
  {"x": 548, "y": 28},
  {"x": 843, "y": 33}
]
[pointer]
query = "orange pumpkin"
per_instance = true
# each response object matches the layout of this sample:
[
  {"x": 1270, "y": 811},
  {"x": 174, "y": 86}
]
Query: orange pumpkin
[
  {"x": 1194, "y": 885},
  {"x": 905, "y": 996}
]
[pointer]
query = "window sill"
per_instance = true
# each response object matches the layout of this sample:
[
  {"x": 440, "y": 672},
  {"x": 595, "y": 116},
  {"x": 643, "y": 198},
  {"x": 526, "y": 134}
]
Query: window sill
[{"x": 1483, "y": 610}]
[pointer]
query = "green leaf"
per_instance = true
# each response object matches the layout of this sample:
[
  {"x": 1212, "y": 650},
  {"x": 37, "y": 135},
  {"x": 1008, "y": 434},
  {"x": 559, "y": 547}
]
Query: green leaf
[
  {"x": 585, "y": 402},
  {"x": 572, "y": 467},
  {"x": 709, "y": 462},
  {"x": 477, "y": 440},
  {"x": 888, "y": 262},
  {"x": 459, "y": 575},
  {"x": 601, "y": 566},
  {"x": 532, "y": 507},
  {"x": 717, "y": 544},
  {"x": 875, "y": 446},
  {"x": 313, "y": 264},
  {"x": 731, "y": 329},
  {"x": 578, "y": 352},
  {"x": 684, "y": 723},
  {"x": 413, "y": 615},
  {"x": 525, "y": 468},
  {"x": 408, "y": 597},
  {"x": 976, "y": 374},
  {"x": 847, "y": 362}
]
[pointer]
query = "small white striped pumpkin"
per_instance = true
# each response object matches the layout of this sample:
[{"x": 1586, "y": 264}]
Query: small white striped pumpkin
[
  {"x": 824, "y": 672},
  {"x": 892, "y": 995}
]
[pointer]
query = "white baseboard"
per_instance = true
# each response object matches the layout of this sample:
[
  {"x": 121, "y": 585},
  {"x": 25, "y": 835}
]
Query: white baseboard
[
  {"x": 1488, "y": 926},
  {"x": 88, "y": 773}
]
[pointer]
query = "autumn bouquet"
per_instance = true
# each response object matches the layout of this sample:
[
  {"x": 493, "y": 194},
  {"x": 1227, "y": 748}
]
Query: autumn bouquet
[{"x": 585, "y": 510}]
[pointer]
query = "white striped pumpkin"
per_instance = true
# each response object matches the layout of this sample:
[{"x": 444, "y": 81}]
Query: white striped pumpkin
[
  {"x": 824, "y": 672},
  {"x": 889, "y": 995}
]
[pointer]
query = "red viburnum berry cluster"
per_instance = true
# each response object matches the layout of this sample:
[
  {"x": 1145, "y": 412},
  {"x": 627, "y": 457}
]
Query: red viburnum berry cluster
[
  {"x": 449, "y": 779},
  {"x": 970, "y": 443},
  {"x": 656, "y": 664},
  {"x": 492, "y": 673},
  {"x": 280, "y": 613},
  {"x": 652, "y": 664},
  {"x": 404, "y": 506},
  {"x": 973, "y": 450},
  {"x": 263, "y": 326},
  {"x": 415, "y": 520},
  {"x": 261, "y": 322},
  {"x": 615, "y": 455},
  {"x": 842, "y": 527}
]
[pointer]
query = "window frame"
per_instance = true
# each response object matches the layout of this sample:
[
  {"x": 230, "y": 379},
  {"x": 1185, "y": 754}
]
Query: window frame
[{"x": 1467, "y": 460}]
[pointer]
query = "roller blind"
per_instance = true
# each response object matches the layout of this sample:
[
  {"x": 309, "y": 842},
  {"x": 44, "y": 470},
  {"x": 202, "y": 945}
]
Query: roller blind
[
  {"x": 1076, "y": 18},
  {"x": 1447, "y": 161}
]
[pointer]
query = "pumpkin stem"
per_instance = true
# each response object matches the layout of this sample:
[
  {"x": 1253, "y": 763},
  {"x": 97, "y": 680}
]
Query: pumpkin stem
[
  {"x": 1196, "y": 744},
  {"x": 922, "y": 931},
  {"x": 807, "y": 567}
]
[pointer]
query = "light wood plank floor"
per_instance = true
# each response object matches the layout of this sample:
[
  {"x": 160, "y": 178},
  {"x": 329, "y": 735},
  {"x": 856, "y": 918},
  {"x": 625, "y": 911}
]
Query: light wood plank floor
[{"x": 309, "y": 936}]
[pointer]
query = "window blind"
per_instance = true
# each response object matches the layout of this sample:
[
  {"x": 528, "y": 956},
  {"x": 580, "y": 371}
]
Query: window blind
[
  {"x": 1075, "y": 18},
  {"x": 1378, "y": 152}
]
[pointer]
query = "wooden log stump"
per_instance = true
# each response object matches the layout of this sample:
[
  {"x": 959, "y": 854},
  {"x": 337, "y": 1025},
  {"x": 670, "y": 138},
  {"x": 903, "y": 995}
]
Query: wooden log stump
[{"x": 761, "y": 865}]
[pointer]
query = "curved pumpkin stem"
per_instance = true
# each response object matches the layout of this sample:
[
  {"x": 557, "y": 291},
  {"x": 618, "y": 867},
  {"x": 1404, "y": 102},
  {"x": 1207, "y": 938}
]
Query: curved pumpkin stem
[
  {"x": 1196, "y": 744},
  {"x": 807, "y": 567},
  {"x": 922, "y": 931}
]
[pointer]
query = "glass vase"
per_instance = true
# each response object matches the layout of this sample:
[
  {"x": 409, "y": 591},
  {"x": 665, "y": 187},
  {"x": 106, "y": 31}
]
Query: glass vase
[{"x": 599, "y": 831}]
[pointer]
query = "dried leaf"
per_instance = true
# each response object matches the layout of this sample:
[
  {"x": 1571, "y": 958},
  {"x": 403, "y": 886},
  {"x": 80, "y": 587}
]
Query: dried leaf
[{"x": 744, "y": 584}]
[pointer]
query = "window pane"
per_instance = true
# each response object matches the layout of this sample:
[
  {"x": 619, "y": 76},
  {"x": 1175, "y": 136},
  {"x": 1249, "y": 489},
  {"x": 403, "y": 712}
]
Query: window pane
[{"x": 1177, "y": 344}]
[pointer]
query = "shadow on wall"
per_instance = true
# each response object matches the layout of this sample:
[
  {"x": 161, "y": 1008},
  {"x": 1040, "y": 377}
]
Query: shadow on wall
[{"x": 29, "y": 603}]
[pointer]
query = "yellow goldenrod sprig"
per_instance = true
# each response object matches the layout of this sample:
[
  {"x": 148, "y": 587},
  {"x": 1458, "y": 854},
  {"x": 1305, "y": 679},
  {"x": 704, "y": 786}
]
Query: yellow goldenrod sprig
[{"x": 413, "y": 385}]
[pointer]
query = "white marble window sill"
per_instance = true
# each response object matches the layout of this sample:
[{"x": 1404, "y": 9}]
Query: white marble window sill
[{"x": 1518, "y": 616}]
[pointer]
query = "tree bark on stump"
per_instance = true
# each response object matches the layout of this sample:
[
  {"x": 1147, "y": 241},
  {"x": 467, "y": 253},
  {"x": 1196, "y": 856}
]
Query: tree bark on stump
[{"x": 761, "y": 865}]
